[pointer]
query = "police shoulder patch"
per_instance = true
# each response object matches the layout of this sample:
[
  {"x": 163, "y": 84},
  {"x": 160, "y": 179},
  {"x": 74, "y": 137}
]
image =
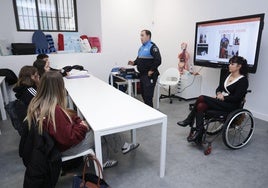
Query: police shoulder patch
[{"x": 155, "y": 49}]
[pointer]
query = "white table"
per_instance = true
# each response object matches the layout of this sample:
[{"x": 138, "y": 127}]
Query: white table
[
  {"x": 109, "y": 111},
  {"x": 3, "y": 97}
]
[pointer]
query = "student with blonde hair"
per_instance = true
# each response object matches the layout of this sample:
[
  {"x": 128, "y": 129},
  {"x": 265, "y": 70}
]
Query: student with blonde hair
[{"x": 48, "y": 115}]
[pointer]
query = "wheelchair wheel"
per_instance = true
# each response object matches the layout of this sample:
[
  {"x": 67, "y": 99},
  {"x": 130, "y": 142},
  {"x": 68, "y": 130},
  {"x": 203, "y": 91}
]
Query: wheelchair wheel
[
  {"x": 238, "y": 129},
  {"x": 214, "y": 128}
]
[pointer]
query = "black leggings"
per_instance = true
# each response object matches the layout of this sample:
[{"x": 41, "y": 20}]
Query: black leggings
[{"x": 204, "y": 103}]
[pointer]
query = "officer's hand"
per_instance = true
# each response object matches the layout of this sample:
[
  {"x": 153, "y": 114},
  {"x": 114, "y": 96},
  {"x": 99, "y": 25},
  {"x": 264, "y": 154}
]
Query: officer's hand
[{"x": 130, "y": 63}]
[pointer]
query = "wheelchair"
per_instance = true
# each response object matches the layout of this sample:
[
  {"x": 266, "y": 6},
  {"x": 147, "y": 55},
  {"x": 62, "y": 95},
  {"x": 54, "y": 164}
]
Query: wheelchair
[{"x": 236, "y": 128}]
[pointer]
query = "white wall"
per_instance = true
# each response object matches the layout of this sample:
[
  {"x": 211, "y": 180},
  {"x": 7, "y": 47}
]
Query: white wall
[
  {"x": 174, "y": 22},
  {"x": 88, "y": 14},
  {"x": 120, "y": 23}
]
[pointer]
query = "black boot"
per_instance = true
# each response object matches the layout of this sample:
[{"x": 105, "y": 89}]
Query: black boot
[
  {"x": 189, "y": 120},
  {"x": 198, "y": 134}
]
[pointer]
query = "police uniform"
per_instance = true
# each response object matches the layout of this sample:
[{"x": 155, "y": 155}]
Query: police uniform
[{"x": 148, "y": 59}]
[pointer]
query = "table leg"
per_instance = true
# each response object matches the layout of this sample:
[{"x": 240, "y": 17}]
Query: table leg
[
  {"x": 157, "y": 94},
  {"x": 163, "y": 148},
  {"x": 133, "y": 136},
  {"x": 5, "y": 92},
  {"x": 2, "y": 106},
  {"x": 129, "y": 84},
  {"x": 133, "y": 131},
  {"x": 98, "y": 150},
  {"x": 112, "y": 79},
  {"x": 135, "y": 94}
]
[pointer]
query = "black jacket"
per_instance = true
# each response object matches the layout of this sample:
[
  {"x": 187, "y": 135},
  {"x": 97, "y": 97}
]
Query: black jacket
[
  {"x": 150, "y": 61},
  {"x": 237, "y": 90},
  {"x": 25, "y": 93},
  {"x": 17, "y": 109},
  {"x": 40, "y": 157}
]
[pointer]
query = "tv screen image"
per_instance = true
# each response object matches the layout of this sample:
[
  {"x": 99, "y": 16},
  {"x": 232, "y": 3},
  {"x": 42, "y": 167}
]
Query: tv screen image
[{"x": 216, "y": 41}]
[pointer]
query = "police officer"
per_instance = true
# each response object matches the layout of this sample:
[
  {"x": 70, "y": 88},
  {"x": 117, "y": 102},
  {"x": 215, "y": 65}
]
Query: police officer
[{"x": 148, "y": 60}]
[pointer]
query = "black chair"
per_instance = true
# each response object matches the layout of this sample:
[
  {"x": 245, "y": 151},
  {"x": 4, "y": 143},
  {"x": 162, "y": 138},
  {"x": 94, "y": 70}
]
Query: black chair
[{"x": 236, "y": 128}]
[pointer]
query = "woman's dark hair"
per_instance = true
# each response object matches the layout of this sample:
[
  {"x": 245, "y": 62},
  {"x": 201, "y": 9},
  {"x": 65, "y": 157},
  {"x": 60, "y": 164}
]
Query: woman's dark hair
[
  {"x": 241, "y": 61},
  {"x": 25, "y": 76},
  {"x": 42, "y": 56},
  {"x": 40, "y": 65}
]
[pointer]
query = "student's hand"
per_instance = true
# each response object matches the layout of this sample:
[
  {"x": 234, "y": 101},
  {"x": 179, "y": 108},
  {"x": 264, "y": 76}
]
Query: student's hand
[
  {"x": 85, "y": 124},
  {"x": 130, "y": 63},
  {"x": 220, "y": 97}
]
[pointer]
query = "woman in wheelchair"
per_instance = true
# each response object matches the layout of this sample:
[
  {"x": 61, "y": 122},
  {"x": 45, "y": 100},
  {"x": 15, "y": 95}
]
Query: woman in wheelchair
[{"x": 229, "y": 95}]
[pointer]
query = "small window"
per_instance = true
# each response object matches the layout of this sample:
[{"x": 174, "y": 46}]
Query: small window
[{"x": 45, "y": 15}]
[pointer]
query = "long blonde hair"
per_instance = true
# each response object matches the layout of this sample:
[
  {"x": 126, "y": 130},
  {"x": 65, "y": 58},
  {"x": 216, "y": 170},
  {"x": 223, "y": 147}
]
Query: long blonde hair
[{"x": 51, "y": 92}]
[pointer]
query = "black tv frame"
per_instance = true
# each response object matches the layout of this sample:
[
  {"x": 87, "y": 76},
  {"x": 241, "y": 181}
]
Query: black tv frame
[{"x": 224, "y": 65}]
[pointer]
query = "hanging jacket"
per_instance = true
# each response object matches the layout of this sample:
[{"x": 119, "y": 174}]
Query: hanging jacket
[
  {"x": 25, "y": 93},
  {"x": 41, "y": 158}
]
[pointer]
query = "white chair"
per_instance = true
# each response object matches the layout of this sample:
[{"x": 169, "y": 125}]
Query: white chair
[
  {"x": 170, "y": 78},
  {"x": 82, "y": 154}
]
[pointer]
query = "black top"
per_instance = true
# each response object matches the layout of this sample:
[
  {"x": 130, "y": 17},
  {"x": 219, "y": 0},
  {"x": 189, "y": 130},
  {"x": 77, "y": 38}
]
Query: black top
[
  {"x": 41, "y": 158},
  {"x": 236, "y": 90},
  {"x": 148, "y": 61},
  {"x": 25, "y": 93}
]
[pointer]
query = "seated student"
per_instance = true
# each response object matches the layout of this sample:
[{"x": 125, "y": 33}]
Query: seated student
[
  {"x": 48, "y": 111},
  {"x": 45, "y": 58},
  {"x": 25, "y": 88},
  {"x": 229, "y": 96},
  {"x": 42, "y": 66}
]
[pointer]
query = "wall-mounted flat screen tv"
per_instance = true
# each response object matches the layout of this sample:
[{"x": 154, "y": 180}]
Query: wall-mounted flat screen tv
[{"x": 216, "y": 41}]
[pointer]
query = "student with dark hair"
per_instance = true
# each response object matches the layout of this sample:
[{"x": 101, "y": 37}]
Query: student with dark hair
[
  {"x": 45, "y": 57},
  {"x": 229, "y": 95},
  {"x": 42, "y": 66},
  {"x": 25, "y": 88},
  {"x": 42, "y": 56}
]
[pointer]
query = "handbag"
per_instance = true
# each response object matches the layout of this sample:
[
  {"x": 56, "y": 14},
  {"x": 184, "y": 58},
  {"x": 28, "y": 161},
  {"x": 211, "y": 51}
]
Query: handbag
[{"x": 88, "y": 180}]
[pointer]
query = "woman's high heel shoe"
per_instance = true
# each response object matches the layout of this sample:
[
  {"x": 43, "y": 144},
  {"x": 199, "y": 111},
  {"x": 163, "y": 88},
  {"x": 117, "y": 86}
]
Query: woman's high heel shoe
[
  {"x": 188, "y": 121},
  {"x": 196, "y": 135},
  {"x": 185, "y": 123}
]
